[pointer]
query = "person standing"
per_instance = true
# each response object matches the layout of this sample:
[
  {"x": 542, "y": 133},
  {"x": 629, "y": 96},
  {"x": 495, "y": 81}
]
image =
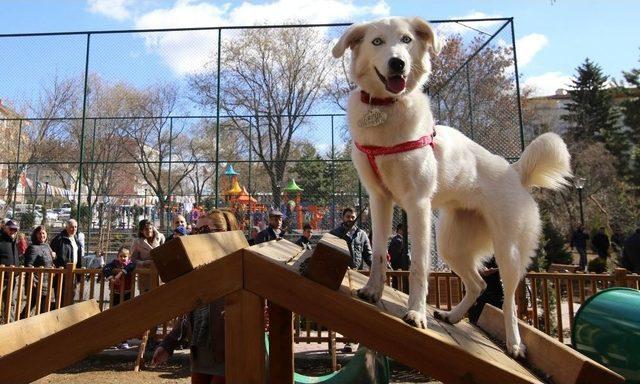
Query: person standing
[
  {"x": 400, "y": 259},
  {"x": 631, "y": 252},
  {"x": 274, "y": 230},
  {"x": 9, "y": 256},
  {"x": 39, "y": 254},
  {"x": 305, "y": 239},
  {"x": 356, "y": 238},
  {"x": 148, "y": 238},
  {"x": 204, "y": 326},
  {"x": 68, "y": 250},
  {"x": 579, "y": 242},
  {"x": 601, "y": 243},
  {"x": 178, "y": 221}
]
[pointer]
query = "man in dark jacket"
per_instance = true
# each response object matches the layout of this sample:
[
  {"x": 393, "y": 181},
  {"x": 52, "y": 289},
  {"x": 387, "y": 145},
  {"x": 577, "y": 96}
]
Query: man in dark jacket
[
  {"x": 601, "y": 243},
  {"x": 68, "y": 250},
  {"x": 305, "y": 239},
  {"x": 9, "y": 256},
  {"x": 400, "y": 259},
  {"x": 67, "y": 247},
  {"x": 579, "y": 242},
  {"x": 274, "y": 230},
  {"x": 8, "y": 244},
  {"x": 631, "y": 252},
  {"x": 356, "y": 239}
]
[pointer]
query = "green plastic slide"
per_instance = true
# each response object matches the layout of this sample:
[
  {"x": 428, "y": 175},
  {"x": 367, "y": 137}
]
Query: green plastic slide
[{"x": 355, "y": 372}]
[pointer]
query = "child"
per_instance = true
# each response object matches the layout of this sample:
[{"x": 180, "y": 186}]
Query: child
[{"x": 118, "y": 273}]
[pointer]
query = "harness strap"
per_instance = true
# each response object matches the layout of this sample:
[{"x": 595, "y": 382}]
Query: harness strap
[{"x": 372, "y": 150}]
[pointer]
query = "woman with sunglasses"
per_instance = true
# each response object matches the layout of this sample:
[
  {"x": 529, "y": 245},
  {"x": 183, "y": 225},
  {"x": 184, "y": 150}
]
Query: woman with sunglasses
[{"x": 203, "y": 326}]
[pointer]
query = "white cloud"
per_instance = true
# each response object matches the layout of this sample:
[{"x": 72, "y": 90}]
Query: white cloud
[
  {"x": 547, "y": 83},
  {"x": 187, "y": 52},
  {"x": 114, "y": 9},
  {"x": 528, "y": 46}
]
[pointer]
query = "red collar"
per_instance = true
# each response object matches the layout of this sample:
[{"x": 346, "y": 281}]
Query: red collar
[
  {"x": 372, "y": 151},
  {"x": 367, "y": 99}
]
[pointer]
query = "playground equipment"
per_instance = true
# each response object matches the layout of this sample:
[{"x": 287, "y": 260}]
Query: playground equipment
[
  {"x": 607, "y": 329},
  {"x": 216, "y": 265},
  {"x": 293, "y": 189}
]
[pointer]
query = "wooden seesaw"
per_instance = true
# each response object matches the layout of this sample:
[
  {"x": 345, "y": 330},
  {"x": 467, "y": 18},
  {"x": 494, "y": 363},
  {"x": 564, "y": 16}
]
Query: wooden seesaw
[{"x": 200, "y": 269}]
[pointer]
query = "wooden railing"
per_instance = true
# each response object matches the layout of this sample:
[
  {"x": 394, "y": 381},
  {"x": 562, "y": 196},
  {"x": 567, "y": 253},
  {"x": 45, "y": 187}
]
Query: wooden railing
[{"x": 545, "y": 289}]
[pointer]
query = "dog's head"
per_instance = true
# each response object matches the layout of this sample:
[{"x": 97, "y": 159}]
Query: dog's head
[{"x": 389, "y": 56}]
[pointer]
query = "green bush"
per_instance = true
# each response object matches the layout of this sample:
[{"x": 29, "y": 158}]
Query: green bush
[{"x": 597, "y": 265}]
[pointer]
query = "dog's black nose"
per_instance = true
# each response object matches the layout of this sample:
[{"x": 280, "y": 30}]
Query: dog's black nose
[{"x": 396, "y": 65}]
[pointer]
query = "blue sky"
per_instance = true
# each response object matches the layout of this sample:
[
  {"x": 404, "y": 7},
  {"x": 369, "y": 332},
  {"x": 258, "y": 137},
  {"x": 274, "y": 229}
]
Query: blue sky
[{"x": 554, "y": 37}]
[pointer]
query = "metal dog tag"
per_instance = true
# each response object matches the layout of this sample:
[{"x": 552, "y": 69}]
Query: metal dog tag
[{"x": 372, "y": 118}]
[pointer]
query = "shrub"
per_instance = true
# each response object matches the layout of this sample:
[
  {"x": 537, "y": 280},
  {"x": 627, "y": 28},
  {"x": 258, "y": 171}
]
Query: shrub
[
  {"x": 597, "y": 265},
  {"x": 553, "y": 244}
]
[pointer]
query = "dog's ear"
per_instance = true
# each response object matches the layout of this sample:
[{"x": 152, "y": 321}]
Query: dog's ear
[
  {"x": 349, "y": 39},
  {"x": 426, "y": 33}
]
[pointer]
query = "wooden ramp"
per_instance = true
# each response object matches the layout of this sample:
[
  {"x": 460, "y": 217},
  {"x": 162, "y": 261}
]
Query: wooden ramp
[{"x": 453, "y": 354}]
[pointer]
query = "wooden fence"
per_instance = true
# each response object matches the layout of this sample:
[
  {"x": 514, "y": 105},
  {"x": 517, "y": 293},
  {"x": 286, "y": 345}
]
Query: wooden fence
[{"x": 556, "y": 295}]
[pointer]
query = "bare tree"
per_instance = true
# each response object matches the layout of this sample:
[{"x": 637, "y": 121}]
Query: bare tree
[
  {"x": 153, "y": 141},
  {"x": 45, "y": 139},
  {"x": 270, "y": 80}
]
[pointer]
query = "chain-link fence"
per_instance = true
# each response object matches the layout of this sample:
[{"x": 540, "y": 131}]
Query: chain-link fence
[{"x": 112, "y": 127}]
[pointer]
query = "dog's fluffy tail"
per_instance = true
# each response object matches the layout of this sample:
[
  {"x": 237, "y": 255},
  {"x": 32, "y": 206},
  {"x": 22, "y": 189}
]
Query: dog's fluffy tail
[{"x": 545, "y": 163}]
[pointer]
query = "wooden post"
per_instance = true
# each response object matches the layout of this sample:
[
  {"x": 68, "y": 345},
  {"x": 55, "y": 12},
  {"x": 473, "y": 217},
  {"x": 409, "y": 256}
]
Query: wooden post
[
  {"x": 620, "y": 277},
  {"x": 280, "y": 344},
  {"x": 244, "y": 338},
  {"x": 69, "y": 282}
]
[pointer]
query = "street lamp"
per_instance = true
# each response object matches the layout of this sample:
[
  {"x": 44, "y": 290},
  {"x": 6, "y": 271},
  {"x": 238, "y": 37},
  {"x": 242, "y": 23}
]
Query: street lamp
[
  {"x": 579, "y": 184},
  {"x": 44, "y": 205}
]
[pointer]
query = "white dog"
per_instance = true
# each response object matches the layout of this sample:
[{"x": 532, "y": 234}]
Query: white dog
[{"x": 400, "y": 155}]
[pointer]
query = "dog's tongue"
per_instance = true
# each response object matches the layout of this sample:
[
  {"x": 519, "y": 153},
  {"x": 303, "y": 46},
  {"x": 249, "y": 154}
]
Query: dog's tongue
[{"x": 396, "y": 84}]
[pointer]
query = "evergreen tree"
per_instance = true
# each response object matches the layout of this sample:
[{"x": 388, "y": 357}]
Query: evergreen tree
[
  {"x": 631, "y": 110},
  {"x": 311, "y": 175},
  {"x": 592, "y": 115}
]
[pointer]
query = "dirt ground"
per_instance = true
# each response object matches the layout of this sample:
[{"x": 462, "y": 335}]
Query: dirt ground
[{"x": 116, "y": 367}]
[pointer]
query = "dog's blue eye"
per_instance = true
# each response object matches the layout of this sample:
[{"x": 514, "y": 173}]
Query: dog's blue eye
[
  {"x": 377, "y": 41},
  {"x": 406, "y": 39}
]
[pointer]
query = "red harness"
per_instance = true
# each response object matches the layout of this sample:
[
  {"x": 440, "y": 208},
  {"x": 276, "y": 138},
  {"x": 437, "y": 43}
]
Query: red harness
[{"x": 372, "y": 150}]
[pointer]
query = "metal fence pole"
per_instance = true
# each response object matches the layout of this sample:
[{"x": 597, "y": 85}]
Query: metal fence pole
[
  {"x": 15, "y": 189},
  {"x": 470, "y": 103},
  {"x": 168, "y": 222},
  {"x": 517, "y": 75},
  {"x": 91, "y": 185},
  {"x": 218, "y": 116},
  {"x": 249, "y": 172},
  {"x": 333, "y": 174},
  {"x": 84, "y": 116}
]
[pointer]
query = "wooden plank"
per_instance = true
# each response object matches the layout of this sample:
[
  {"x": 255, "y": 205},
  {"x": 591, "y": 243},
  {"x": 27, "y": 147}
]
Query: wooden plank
[
  {"x": 463, "y": 334},
  {"x": 21, "y": 333},
  {"x": 185, "y": 253},
  {"x": 244, "y": 338},
  {"x": 329, "y": 262},
  {"x": 425, "y": 350},
  {"x": 128, "y": 319},
  {"x": 280, "y": 344},
  {"x": 560, "y": 363}
]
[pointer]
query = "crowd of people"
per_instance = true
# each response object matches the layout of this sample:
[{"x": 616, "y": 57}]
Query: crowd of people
[{"x": 627, "y": 247}]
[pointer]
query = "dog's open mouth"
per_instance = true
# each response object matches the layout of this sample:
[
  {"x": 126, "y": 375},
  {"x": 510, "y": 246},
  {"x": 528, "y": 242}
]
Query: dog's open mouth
[{"x": 393, "y": 84}]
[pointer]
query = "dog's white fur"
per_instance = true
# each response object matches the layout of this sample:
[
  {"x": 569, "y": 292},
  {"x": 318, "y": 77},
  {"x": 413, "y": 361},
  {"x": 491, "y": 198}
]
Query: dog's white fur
[{"x": 485, "y": 203}]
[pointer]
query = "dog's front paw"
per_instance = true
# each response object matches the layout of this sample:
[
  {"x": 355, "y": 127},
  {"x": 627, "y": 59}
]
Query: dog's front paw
[
  {"x": 416, "y": 319},
  {"x": 517, "y": 351},
  {"x": 370, "y": 294}
]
